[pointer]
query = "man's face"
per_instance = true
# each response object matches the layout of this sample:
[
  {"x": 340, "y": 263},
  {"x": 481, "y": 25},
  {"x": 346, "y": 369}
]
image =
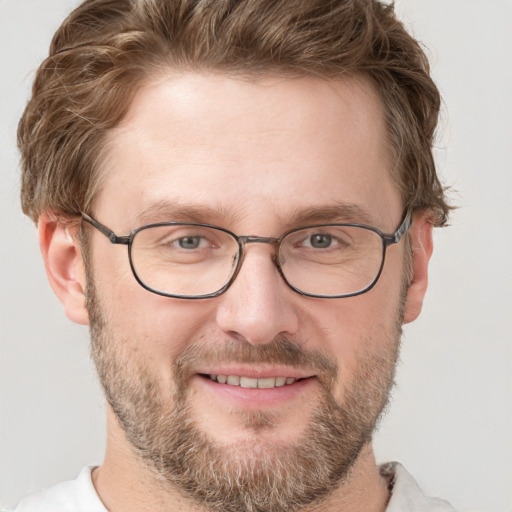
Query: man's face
[{"x": 257, "y": 158}]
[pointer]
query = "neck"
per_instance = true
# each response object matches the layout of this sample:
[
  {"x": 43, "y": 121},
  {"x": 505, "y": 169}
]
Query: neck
[{"x": 365, "y": 490}]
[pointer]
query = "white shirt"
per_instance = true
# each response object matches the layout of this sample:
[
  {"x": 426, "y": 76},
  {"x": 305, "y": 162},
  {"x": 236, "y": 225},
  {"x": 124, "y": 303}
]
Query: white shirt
[
  {"x": 79, "y": 495},
  {"x": 406, "y": 495}
]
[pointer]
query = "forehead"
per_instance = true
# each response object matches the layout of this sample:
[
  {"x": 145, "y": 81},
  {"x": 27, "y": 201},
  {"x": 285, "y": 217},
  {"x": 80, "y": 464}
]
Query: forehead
[{"x": 233, "y": 149}]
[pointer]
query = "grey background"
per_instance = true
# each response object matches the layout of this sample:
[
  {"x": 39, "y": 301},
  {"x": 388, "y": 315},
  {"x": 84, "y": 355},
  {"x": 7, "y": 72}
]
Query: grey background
[{"x": 450, "y": 421}]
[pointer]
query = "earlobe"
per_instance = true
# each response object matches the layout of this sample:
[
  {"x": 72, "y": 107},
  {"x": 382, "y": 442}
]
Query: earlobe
[
  {"x": 64, "y": 266},
  {"x": 422, "y": 247}
]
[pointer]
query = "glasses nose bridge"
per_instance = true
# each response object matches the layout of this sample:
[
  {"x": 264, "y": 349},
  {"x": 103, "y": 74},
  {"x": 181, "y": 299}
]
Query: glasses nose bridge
[
  {"x": 250, "y": 239},
  {"x": 245, "y": 240}
]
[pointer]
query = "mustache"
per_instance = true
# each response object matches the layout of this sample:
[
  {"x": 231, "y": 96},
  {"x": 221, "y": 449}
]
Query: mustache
[{"x": 281, "y": 350}]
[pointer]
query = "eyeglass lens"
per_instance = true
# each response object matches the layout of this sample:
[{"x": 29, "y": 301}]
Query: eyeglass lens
[{"x": 191, "y": 261}]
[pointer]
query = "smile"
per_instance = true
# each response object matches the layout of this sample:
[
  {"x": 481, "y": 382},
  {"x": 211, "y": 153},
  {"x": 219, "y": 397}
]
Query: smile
[{"x": 250, "y": 382}]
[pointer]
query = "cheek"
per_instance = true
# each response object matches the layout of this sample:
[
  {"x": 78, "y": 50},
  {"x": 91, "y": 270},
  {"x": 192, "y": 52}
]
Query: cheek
[
  {"x": 353, "y": 329},
  {"x": 157, "y": 328}
]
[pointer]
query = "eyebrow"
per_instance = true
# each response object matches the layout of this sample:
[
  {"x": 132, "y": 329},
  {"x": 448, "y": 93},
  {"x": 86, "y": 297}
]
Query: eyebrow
[
  {"x": 164, "y": 211},
  {"x": 332, "y": 213}
]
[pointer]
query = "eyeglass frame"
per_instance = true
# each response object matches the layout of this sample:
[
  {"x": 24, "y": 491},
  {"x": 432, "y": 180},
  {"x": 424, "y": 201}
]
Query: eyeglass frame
[{"x": 387, "y": 240}]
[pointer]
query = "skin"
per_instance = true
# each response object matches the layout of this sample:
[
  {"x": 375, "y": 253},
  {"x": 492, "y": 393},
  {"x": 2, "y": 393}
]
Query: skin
[{"x": 254, "y": 157}]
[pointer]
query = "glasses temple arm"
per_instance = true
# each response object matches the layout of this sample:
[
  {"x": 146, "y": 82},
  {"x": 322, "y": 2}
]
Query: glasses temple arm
[
  {"x": 115, "y": 239},
  {"x": 400, "y": 232}
]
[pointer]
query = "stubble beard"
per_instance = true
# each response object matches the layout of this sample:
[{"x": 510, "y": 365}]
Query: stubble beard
[{"x": 247, "y": 476}]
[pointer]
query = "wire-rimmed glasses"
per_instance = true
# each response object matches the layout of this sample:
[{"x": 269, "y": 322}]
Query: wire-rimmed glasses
[{"x": 196, "y": 261}]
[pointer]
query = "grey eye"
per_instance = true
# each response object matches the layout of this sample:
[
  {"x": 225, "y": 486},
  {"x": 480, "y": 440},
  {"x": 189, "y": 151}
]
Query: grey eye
[
  {"x": 189, "y": 242},
  {"x": 320, "y": 241}
]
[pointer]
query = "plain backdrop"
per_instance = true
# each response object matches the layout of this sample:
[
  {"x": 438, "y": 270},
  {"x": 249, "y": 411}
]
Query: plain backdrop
[{"x": 450, "y": 418}]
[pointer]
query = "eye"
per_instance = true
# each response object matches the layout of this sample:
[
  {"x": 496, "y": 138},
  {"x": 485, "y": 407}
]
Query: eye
[
  {"x": 190, "y": 242},
  {"x": 319, "y": 241},
  {"x": 191, "y": 239}
]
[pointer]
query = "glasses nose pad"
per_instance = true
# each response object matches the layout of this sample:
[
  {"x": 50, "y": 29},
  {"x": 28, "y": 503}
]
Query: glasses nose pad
[
  {"x": 235, "y": 260},
  {"x": 278, "y": 259}
]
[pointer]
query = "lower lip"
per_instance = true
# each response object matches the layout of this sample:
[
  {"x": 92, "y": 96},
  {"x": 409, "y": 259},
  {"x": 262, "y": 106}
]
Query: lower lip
[{"x": 255, "y": 398}]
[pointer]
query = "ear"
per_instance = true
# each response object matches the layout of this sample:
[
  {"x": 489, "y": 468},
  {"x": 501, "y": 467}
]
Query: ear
[
  {"x": 422, "y": 246},
  {"x": 64, "y": 265}
]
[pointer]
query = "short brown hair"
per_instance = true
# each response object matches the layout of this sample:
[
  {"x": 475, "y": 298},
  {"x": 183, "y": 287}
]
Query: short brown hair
[{"x": 106, "y": 49}]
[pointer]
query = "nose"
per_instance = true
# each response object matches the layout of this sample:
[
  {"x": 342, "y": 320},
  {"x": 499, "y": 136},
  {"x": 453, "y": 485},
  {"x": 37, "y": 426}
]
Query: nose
[{"x": 259, "y": 305}]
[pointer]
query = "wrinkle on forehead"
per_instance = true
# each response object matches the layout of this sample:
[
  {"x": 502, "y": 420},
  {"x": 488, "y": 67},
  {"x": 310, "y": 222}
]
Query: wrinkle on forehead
[{"x": 226, "y": 149}]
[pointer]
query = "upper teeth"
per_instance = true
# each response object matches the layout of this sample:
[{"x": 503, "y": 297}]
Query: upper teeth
[{"x": 249, "y": 382}]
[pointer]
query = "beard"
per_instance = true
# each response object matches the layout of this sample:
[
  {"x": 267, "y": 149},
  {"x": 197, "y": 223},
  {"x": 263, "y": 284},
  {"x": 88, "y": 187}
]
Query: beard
[{"x": 254, "y": 475}]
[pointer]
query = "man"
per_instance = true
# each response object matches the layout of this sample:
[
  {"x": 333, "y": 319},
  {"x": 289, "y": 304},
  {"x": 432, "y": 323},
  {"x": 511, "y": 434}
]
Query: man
[{"x": 268, "y": 167}]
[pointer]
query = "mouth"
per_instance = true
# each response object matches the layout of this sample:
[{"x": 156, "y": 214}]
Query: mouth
[
  {"x": 256, "y": 388},
  {"x": 252, "y": 382}
]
